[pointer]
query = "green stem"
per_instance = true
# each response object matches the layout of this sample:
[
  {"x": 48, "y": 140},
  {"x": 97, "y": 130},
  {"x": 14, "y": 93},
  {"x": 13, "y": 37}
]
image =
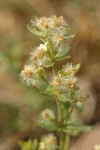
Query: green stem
[
  {"x": 66, "y": 142},
  {"x": 67, "y": 137},
  {"x": 62, "y": 135},
  {"x": 60, "y": 120},
  {"x": 64, "y": 139},
  {"x": 60, "y": 117},
  {"x": 70, "y": 112}
]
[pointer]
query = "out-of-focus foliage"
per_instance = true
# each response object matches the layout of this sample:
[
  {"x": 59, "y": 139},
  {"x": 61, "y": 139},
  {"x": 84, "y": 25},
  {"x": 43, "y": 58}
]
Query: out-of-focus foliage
[{"x": 30, "y": 145}]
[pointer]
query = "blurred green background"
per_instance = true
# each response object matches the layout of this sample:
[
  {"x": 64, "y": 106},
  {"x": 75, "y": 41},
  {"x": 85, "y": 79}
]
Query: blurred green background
[{"x": 19, "y": 104}]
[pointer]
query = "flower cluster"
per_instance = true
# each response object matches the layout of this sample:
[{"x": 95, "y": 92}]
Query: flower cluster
[
  {"x": 47, "y": 120},
  {"x": 30, "y": 74},
  {"x": 40, "y": 55},
  {"x": 48, "y": 142},
  {"x": 51, "y": 50},
  {"x": 70, "y": 69},
  {"x": 49, "y": 23},
  {"x": 64, "y": 80},
  {"x": 63, "y": 84}
]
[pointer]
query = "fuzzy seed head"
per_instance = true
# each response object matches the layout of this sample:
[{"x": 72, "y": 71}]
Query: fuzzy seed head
[
  {"x": 69, "y": 69},
  {"x": 48, "y": 114},
  {"x": 45, "y": 22},
  {"x": 37, "y": 54},
  {"x": 41, "y": 23},
  {"x": 48, "y": 142},
  {"x": 70, "y": 82},
  {"x": 56, "y": 81},
  {"x": 58, "y": 22},
  {"x": 49, "y": 23},
  {"x": 27, "y": 72},
  {"x": 40, "y": 55},
  {"x": 30, "y": 74},
  {"x": 58, "y": 37}
]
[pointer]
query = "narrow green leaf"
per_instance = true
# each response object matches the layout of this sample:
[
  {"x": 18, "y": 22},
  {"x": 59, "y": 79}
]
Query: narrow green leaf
[
  {"x": 62, "y": 58},
  {"x": 47, "y": 125},
  {"x": 51, "y": 89},
  {"x": 69, "y": 36},
  {"x": 62, "y": 51},
  {"x": 36, "y": 31},
  {"x": 41, "y": 84},
  {"x": 65, "y": 97},
  {"x": 77, "y": 67},
  {"x": 49, "y": 94},
  {"x": 77, "y": 127}
]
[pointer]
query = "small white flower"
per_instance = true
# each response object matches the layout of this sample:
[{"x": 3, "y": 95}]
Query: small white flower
[
  {"x": 69, "y": 83},
  {"x": 62, "y": 82},
  {"x": 57, "y": 22},
  {"x": 48, "y": 142},
  {"x": 45, "y": 22},
  {"x": 30, "y": 73},
  {"x": 41, "y": 23},
  {"x": 49, "y": 23},
  {"x": 40, "y": 55},
  {"x": 56, "y": 81},
  {"x": 69, "y": 69},
  {"x": 43, "y": 46},
  {"x": 57, "y": 37},
  {"x": 37, "y": 54},
  {"x": 27, "y": 74}
]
